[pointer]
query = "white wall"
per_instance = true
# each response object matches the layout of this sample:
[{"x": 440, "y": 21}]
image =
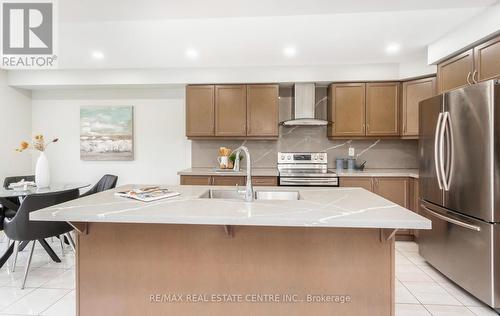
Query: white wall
[
  {"x": 15, "y": 122},
  {"x": 43, "y": 79},
  {"x": 161, "y": 148},
  {"x": 466, "y": 35}
]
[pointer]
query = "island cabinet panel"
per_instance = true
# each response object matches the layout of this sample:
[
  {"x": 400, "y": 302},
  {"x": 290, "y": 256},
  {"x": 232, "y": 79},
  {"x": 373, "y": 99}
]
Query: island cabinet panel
[
  {"x": 228, "y": 180},
  {"x": 346, "y": 110},
  {"x": 382, "y": 109},
  {"x": 196, "y": 180},
  {"x": 230, "y": 110},
  {"x": 455, "y": 72},
  {"x": 129, "y": 270},
  {"x": 200, "y": 111},
  {"x": 487, "y": 60},
  {"x": 262, "y": 110},
  {"x": 413, "y": 92},
  {"x": 358, "y": 182}
]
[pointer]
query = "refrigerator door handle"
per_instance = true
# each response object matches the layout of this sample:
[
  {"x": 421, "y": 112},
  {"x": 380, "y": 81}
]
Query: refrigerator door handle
[
  {"x": 445, "y": 169},
  {"x": 451, "y": 220},
  {"x": 437, "y": 142}
]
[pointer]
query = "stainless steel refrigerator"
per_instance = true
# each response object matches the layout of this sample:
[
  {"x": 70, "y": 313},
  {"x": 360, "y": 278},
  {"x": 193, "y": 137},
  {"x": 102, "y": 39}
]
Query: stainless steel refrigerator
[{"x": 459, "y": 151}]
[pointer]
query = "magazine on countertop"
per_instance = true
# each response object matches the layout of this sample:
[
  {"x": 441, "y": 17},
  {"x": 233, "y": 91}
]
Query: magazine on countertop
[{"x": 147, "y": 194}]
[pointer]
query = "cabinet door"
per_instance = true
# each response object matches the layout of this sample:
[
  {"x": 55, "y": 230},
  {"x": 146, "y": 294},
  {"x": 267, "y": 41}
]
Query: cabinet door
[
  {"x": 228, "y": 180},
  {"x": 413, "y": 92},
  {"x": 394, "y": 189},
  {"x": 357, "y": 182},
  {"x": 414, "y": 200},
  {"x": 454, "y": 72},
  {"x": 200, "y": 111},
  {"x": 265, "y": 181},
  {"x": 382, "y": 109},
  {"x": 196, "y": 180},
  {"x": 230, "y": 110},
  {"x": 487, "y": 59},
  {"x": 262, "y": 110},
  {"x": 346, "y": 110}
]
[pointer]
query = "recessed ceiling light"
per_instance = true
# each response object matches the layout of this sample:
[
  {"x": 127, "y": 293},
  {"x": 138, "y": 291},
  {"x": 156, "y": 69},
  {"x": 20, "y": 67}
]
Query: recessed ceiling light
[
  {"x": 97, "y": 54},
  {"x": 192, "y": 53},
  {"x": 290, "y": 51},
  {"x": 392, "y": 48}
]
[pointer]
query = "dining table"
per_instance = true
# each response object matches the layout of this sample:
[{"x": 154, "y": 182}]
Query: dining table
[{"x": 13, "y": 198}]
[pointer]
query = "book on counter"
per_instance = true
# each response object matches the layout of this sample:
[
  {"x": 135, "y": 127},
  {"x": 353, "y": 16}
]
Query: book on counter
[{"x": 147, "y": 194}]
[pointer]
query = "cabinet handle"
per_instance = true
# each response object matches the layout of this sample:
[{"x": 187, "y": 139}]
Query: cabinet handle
[
  {"x": 474, "y": 76},
  {"x": 367, "y": 127},
  {"x": 468, "y": 78}
]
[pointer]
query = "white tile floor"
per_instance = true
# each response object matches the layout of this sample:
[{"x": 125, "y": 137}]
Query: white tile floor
[{"x": 420, "y": 289}]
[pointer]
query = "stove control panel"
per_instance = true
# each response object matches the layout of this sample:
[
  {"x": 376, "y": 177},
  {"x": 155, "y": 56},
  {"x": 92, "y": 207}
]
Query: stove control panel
[{"x": 289, "y": 158}]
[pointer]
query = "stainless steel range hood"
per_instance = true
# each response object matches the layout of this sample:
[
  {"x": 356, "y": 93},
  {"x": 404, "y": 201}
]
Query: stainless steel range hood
[{"x": 304, "y": 107}]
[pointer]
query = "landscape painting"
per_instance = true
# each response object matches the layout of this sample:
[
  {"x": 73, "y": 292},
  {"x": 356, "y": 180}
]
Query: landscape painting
[{"x": 106, "y": 133}]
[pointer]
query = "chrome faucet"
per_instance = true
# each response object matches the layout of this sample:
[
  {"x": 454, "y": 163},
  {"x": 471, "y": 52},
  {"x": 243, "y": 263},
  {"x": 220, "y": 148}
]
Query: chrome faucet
[{"x": 249, "y": 187}]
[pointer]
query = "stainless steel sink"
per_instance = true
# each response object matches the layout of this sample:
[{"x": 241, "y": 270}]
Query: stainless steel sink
[
  {"x": 277, "y": 195},
  {"x": 259, "y": 195},
  {"x": 223, "y": 194}
]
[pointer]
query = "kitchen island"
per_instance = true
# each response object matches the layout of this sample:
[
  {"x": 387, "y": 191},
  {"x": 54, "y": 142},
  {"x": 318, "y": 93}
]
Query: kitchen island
[{"x": 208, "y": 252}]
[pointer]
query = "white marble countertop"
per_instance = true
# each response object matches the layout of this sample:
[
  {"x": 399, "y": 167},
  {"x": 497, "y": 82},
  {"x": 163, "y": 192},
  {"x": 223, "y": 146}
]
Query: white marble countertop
[
  {"x": 317, "y": 207},
  {"x": 258, "y": 172},
  {"x": 411, "y": 173}
]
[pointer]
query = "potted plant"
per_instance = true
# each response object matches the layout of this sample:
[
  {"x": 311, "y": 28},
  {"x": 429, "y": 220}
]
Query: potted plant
[{"x": 42, "y": 172}]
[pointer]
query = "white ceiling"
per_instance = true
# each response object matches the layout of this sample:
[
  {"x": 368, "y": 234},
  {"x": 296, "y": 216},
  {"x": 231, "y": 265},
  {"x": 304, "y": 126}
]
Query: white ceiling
[
  {"x": 225, "y": 33},
  {"x": 119, "y": 10}
]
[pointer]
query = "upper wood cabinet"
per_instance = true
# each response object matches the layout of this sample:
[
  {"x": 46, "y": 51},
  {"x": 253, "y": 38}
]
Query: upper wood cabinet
[
  {"x": 413, "y": 92},
  {"x": 346, "y": 109},
  {"x": 475, "y": 65},
  {"x": 262, "y": 110},
  {"x": 455, "y": 72},
  {"x": 382, "y": 109},
  {"x": 200, "y": 111},
  {"x": 487, "y": 60},
  {"x": 230, "y": 110}
]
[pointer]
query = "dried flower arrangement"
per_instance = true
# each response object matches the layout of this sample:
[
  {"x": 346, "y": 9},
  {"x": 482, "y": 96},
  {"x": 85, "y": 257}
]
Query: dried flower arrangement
[{"x": 37, "y": 144}]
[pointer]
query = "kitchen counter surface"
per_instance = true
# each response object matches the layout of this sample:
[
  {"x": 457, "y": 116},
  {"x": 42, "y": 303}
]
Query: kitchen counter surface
[
  {"x": 412, "y": 173},
  {"x": 257, "y": 172},
  {"x": 317, "y": 207}
]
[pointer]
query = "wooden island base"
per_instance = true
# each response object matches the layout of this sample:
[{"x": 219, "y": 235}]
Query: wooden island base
[{"x": 155, "y": 269}]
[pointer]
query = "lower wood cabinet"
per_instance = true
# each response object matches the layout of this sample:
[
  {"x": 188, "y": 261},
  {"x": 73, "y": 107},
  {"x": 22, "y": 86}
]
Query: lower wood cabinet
[
  {"x": 228, "y": 180},
  {"x": 196, "y": 180},
  {"x": 358, "y": 182},
  {"x": 394, "y": 189},
  {"x": 400, "y": 190},
  {"x": 265, "y": 181}
]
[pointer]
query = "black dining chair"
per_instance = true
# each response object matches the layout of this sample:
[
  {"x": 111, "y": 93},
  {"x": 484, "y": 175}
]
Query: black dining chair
[
  {"x": 21, "y": 229},
  {"x": 107, "y": 182}
]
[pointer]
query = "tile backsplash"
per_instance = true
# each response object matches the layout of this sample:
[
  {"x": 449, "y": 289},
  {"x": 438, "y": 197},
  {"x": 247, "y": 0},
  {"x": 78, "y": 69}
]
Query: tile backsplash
[{"x": 386, "y": 154}]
